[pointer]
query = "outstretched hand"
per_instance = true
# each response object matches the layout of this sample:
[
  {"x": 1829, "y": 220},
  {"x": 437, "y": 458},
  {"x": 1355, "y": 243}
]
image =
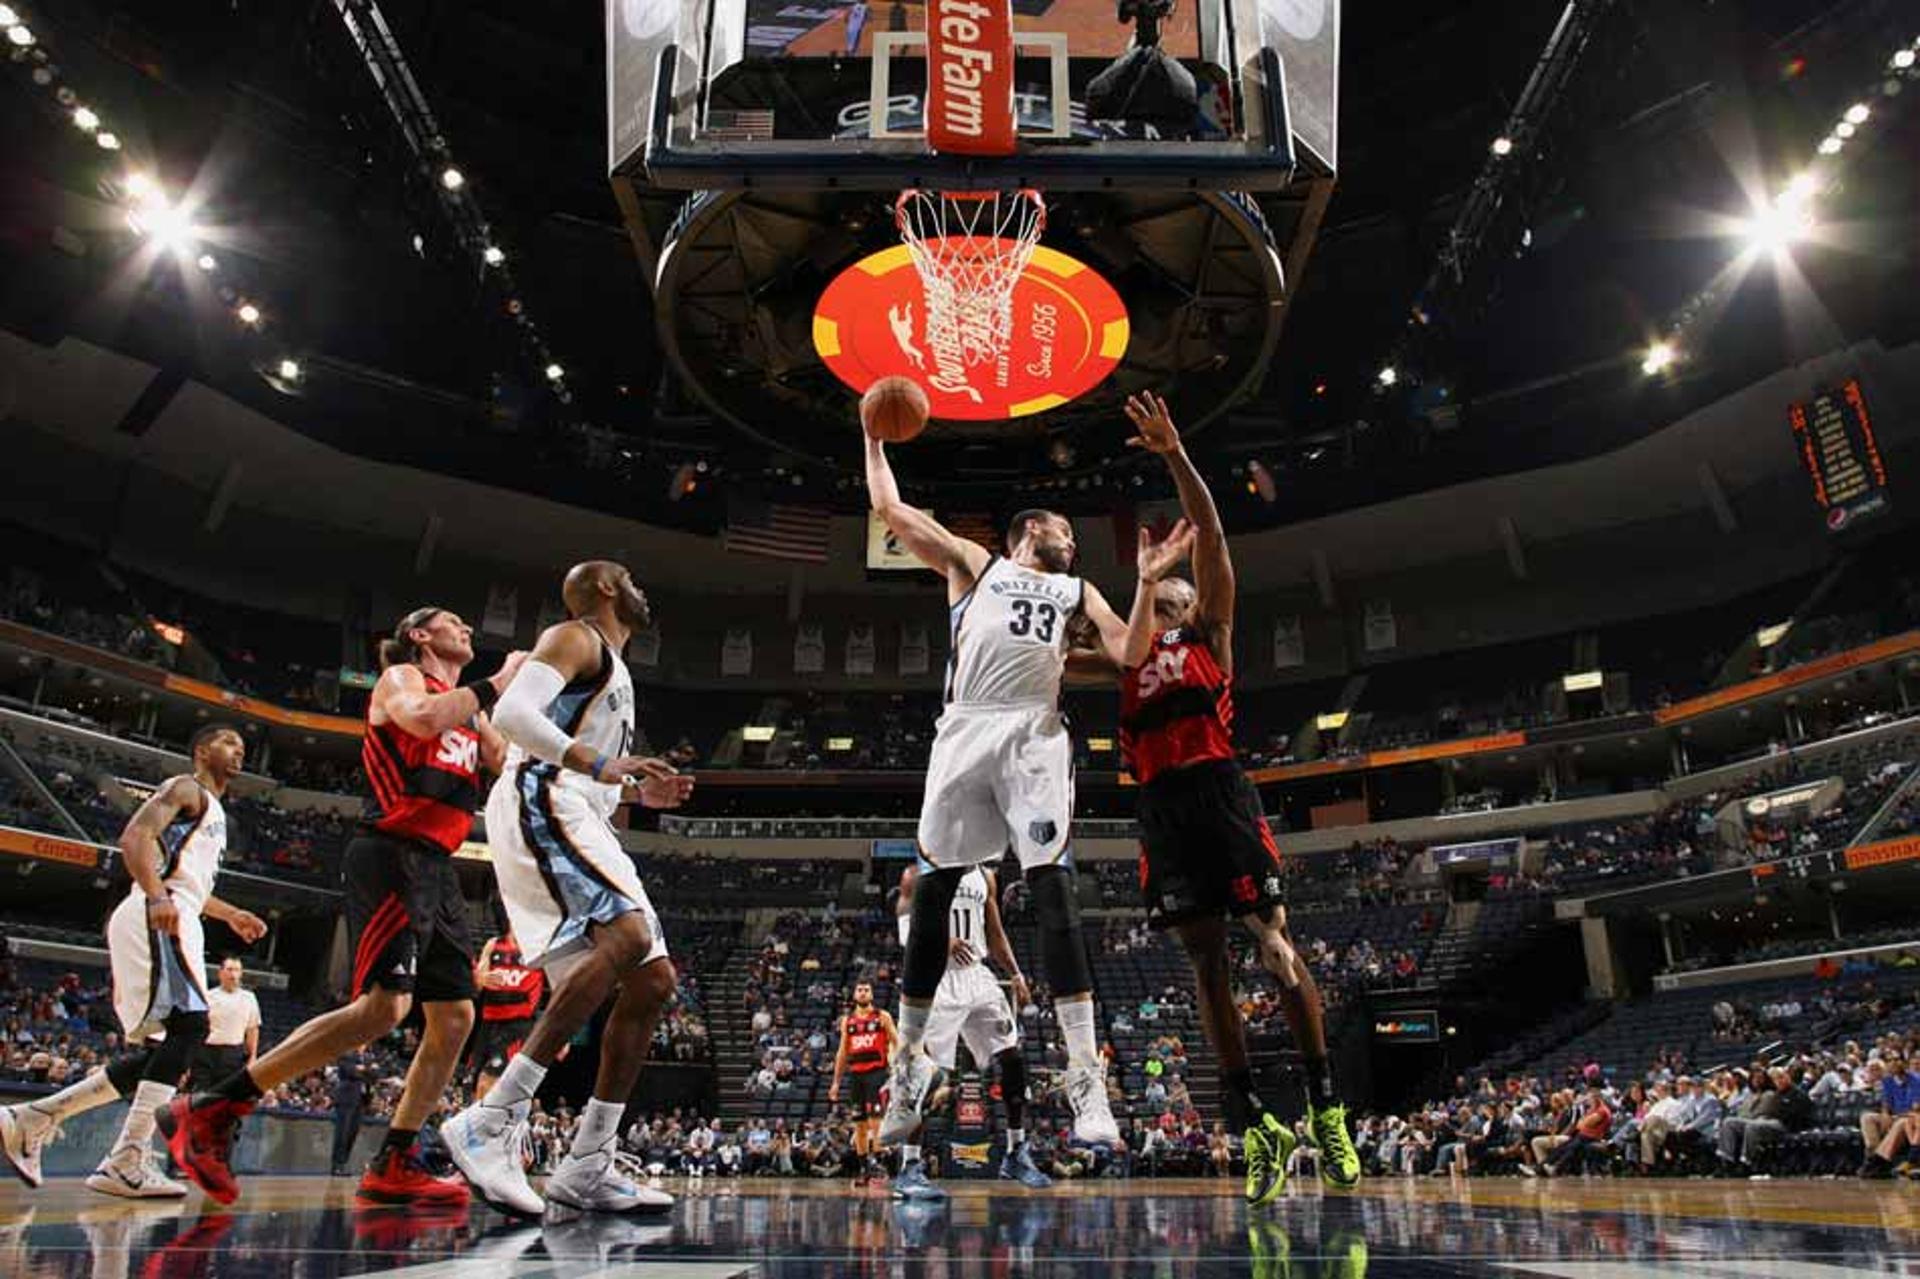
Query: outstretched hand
[
  {"x": 1157, "y": 559},
  {"x": 1154, "y": 424}
]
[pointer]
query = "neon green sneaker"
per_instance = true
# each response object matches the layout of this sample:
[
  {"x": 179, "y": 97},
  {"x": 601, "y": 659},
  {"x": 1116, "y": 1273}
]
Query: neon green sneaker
[
  {"x": 1339, "y": 1161},
  {"x": 1267, "y": 1144},
  {"x": 1346, "y": 1257}
]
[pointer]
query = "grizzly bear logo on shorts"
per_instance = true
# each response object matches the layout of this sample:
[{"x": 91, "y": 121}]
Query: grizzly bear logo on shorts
[{"x": 1042, "y": 832}]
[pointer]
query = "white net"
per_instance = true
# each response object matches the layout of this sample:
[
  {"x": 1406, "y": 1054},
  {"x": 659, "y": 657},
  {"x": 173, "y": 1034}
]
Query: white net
[{"x": 970, "y": 249}]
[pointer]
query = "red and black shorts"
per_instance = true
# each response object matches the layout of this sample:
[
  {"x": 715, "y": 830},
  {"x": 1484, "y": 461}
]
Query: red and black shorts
[
  {"x": 1205, "y": 849},
  {"x": 864, "y": 1088},
  {"x": 495, "y": 1043},
  {"x": 406, "y": 920}
]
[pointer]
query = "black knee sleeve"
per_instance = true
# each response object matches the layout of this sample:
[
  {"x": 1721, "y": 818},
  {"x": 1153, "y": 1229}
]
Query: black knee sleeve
[
  {"x": 927, "y": 938},
  {"x": 1063, "y": 951},
  {"x": 171, "y": 1056},
  {"x": 126, "y": 1073},
  {"x": 1013, "y": 1086}
]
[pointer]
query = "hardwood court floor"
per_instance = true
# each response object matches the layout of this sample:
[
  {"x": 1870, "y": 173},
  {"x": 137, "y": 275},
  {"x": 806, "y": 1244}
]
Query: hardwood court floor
[{"x": 308, "y": 1228}]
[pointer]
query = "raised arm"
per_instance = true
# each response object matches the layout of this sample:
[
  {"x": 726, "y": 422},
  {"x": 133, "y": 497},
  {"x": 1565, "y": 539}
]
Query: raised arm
[
  {"x": 402, "y": 697},
  {"x": 1154, "y": 560},
  {"x": 140, "y": 849},
  {"x": 1212, "y": 566},
  {"x": 957, "y": 558}
]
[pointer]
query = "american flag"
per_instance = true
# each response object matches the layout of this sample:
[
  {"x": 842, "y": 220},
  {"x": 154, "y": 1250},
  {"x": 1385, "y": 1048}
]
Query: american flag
[{"x": 776, "y": 530}]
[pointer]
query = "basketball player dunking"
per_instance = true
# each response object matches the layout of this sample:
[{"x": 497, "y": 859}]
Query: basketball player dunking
[
  {"x": 867, "y": 1039},
  {"x": 1206, "y": 851},
  {"x": 427, "y": 739},
  {"x": 970, "y": 1005},
  {"x": 1000, "y": 773}
]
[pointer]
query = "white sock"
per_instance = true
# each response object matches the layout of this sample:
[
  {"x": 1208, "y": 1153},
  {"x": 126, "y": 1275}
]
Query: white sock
[
  {"x": 599, "y": 1122},
  {"x": 517, "y": 1083},
  {"x": 93, "y": 1091},
  {"x": 1016, "y": 1137},
  {"x": 913, "y": 1023},
  {"x": 147, "y": 1100},
  {"x": 1076, "y": 1025},
  {"x": 909, "y": 1154}
]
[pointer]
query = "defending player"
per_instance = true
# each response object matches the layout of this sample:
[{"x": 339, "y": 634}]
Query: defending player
[
  {"x": 867, "y": 1040},
  {"x": 510, "y": 993},
  {"x": 574, "y": 899},
  {"x": 427, "y": 739},
  {"x": 1206, "y": 851},
  {"x": 172, "y": 848},
  {"x": 970, "y": 1004},
  {"x": 1000, "y": 773}
]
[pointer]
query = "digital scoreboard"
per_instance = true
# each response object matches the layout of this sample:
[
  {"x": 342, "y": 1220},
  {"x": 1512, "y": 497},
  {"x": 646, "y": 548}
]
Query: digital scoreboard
[{"x": 1834, "y": 432}]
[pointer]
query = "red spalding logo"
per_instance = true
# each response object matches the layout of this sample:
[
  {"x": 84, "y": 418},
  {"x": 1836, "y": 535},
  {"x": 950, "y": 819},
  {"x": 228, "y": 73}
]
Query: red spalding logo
[{"x": 1069, "y": 330}]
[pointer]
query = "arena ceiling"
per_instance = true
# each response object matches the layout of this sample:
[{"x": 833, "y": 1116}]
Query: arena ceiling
[{"x": 267, "y": 115}]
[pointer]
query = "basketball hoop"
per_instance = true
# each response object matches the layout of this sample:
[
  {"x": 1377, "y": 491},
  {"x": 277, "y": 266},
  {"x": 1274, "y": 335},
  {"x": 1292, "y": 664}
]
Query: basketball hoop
[{"x": 970, "y": 248}]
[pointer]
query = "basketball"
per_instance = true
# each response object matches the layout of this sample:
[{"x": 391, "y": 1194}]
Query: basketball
[{"x": 894, "y": 409}]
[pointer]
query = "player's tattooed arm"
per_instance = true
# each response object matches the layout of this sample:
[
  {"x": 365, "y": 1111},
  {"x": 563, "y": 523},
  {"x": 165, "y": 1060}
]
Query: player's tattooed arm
[
  {"x": 959, "y": 559},
  {"x": 140, "y": 850}
]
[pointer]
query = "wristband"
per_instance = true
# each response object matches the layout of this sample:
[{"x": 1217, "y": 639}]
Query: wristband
[
  {"x": 164, "y": 897},
  {"x": 483, "y": 692},
  {"x": 599, "y": 766}
]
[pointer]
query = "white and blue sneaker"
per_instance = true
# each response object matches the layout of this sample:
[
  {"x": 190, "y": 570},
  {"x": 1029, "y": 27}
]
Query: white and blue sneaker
[
  {"x": 605, "y": 1180},
  {"x": 485, "y": 1144},
  {"x": 912, "y": 1079},
  {"x": 25, "y": 1130},
  {"x": 914, "y": 1185},
  {"x": 1017, "y": 1165}
]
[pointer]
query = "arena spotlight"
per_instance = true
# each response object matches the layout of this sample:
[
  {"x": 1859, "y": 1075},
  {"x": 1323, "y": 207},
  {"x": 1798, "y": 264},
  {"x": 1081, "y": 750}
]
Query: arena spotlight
[
  {"x": 8, "y": 18},
  {"x": 1858, "y": 113},
  {"x": 452, "y": 179},
  {"x": 1772, "y": 229},
  {"x": 555, "y": 372},
  {"x": 1831, "y": 145},
  {"x": 1902, "y": 59},
  {"x": 1844, "y": 129},
  {"x": 247, "y": 313},
  {"x": 289, "y": 370},
  {"x": 206, "y": 262},
  {"x": 1387, "y": 376},
  {"x": 1502, "y": 145},
  {"x": 493, "y": 255},
  {"x": 20, "y": 35},
  {"x": 1658, "y": 358},
  {"x": 107, "y": 141},
  {"x": 85, "y": 119}
]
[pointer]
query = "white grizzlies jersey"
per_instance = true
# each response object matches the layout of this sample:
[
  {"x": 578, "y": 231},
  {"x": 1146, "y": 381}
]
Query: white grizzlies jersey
[
  {"x": 190, "y": 851},
  {"x": 596, "y": 710},
  {"x": 1009, "y": 641},
  {"x": 967, "y": 917}
]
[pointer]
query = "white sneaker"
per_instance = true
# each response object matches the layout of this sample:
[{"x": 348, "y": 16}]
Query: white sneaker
[
  {"x": 907, "y": 1088},
  {"x": 485, "y": 1143},
  {"x": 1093, "y": 1123},
  {"x": 132, "y": 1172},
  {"x": 605, "y": 1181},
  {"x": 24, "y": 1132}
]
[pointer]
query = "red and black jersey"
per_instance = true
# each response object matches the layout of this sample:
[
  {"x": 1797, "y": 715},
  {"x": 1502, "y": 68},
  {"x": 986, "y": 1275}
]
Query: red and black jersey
[
  {"x": 424, "y": 788},
  {"x": 1176, "y": 708},
  {"x": 519, "y": 998},
  {"x": 866, "y": 1042}
]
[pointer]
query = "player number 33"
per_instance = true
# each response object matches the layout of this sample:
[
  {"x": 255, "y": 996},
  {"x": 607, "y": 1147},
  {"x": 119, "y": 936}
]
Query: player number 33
[{"x": 1035, "y": 619}]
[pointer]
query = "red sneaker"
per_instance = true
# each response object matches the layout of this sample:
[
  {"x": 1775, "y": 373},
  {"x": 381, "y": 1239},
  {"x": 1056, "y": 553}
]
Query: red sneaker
[
  {"x": 200, "y": 1132},
  {"x": 390, "y": 1229},
  {"x": 396, "y": 1178}
]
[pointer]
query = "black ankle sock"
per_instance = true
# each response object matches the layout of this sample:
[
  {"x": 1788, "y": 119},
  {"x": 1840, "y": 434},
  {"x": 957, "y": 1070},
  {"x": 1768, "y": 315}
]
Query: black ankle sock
[
  {"x": 400, "y": 1139},
  {"x": 1242, "y": 1103},
  {"x": 238, "y": 1086},
  {"x": 1320, "y": 1093}
]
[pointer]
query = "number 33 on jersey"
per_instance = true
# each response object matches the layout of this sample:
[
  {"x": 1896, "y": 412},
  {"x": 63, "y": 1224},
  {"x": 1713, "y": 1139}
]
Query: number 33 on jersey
[{"x": 1009, "y": 637}]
